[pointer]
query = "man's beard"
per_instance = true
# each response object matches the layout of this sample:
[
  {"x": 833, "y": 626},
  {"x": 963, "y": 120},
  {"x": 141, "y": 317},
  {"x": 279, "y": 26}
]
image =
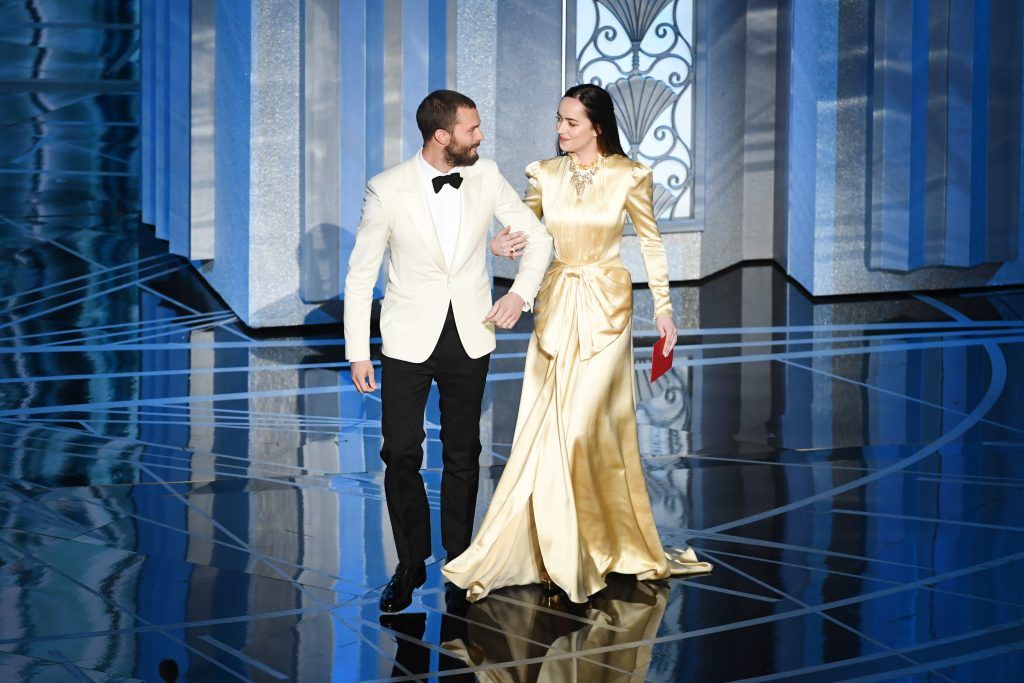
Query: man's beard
[{"x": 460, "y": 156}]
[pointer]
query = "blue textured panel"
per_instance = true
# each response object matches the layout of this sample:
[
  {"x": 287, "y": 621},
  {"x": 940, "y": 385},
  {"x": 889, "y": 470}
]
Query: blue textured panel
[
  {"x": 361, "y": 102},
  {"x": 374, "y": 87},
  {"x": 936, "y": 134},
  {"x": 438, "y": 45},
  {"x": 803, "y": 143},
  {"x": 415, "y": 71},
  {"x": 180, "y": 122},
  {"x": 234, "y": 53},
  {"x": 918, "y": 132},
  {"x": 353, "y": 86},
  {"x": 161, "y": 114},
  {"x": 147, "y": 130},
  {"x": 1004, "y": 181},
  {"x": 892, "y": 150},
  {"x": 827, "y": 75},
  {"x": 959, "y": 121},
  {"x": 979, "y": 134}
]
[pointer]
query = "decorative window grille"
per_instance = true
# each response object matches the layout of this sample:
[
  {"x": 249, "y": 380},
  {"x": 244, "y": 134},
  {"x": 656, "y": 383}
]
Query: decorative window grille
[{"x": 642, "y": 52}]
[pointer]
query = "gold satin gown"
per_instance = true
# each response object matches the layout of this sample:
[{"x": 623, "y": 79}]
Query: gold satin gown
[{"x": 572, "y": 499}]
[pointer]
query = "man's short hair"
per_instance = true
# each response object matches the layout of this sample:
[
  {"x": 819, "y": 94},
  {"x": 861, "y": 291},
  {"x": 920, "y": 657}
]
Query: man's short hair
[{"x": 439, "y": 110}]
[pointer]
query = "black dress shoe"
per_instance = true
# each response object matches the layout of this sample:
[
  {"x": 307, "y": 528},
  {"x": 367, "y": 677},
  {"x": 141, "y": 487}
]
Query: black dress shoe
[{"x": 397, "y": 595}]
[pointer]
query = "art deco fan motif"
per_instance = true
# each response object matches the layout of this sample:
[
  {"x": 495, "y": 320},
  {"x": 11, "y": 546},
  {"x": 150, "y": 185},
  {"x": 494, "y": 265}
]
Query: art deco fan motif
[
  {"x": 636, "y": 16},
  {"x": 639, "y": 101}
]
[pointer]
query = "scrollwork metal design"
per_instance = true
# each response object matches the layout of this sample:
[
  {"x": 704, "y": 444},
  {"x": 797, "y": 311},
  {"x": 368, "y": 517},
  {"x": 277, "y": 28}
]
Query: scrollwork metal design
[{"x": 642, "y": 52}]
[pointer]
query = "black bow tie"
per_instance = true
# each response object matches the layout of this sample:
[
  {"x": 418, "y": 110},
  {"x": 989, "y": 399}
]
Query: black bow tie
[{"x": 453, "y": 179}]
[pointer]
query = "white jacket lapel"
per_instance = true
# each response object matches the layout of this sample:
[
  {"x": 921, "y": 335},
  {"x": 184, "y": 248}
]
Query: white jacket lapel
[{"x": 415, "y": 205}]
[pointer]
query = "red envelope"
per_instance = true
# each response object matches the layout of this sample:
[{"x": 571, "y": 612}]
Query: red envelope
[{"x": 660, "y": 363}]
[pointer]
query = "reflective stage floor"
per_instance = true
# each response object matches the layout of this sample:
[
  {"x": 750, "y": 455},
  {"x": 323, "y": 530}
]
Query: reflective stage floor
[
  {"x": 180, "y": 493},
  {"x": 175, "y": 487}
]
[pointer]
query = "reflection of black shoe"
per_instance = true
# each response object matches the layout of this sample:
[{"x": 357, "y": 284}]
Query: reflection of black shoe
[
  {"x": 455, "y": 601},
  {"x": 397, "y": 595},
  {"x": 410, "y": 656},
  {"x": 454, "y": 627},
  {"x": 410, "y": 624}
]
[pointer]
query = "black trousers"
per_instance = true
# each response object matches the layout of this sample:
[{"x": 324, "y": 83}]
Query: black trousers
[{"x": 404, "y": 390}]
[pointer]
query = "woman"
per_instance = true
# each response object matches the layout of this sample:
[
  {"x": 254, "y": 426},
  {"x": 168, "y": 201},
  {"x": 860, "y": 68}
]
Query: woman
[{"x": 572, "y": 503}]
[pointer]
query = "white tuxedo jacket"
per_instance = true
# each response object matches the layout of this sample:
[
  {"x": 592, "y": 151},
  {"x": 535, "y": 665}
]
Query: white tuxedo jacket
[{"x": 420, "y": 284}]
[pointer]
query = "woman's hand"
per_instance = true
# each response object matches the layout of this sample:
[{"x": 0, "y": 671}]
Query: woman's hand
[
  {"x": 508, "y": 244},
  {"x": 667, "y": 330}
]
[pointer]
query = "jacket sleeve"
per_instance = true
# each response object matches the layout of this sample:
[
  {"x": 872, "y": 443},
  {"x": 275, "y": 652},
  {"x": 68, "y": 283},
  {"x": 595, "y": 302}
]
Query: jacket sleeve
[
  {"x": 640, "y": 206},
  {"x": 363, "y": 267},
  {"x": 511, "y": 211}
]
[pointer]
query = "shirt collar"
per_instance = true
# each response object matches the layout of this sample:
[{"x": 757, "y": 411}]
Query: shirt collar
[{"x": 429, "y": 172}]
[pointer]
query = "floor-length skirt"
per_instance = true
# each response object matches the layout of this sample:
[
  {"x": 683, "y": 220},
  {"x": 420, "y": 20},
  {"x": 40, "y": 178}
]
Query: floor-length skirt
[{"x": 572, "y": 499}]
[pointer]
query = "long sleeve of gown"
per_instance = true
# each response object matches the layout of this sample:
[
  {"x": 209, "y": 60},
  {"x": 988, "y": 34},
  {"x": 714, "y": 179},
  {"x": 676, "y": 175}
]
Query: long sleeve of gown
[
  {"x": 640, "y": 207},
  {"x": 532, "y": 198}
]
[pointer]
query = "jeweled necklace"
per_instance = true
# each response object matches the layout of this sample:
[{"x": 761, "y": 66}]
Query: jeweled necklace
[{"x": 583, "y": 176}]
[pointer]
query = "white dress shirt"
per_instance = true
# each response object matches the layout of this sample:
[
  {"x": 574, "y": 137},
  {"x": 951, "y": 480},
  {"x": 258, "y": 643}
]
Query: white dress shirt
[{"x": 445, "y": 209}]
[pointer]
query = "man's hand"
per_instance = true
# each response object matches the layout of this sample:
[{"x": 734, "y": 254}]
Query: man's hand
[
  {"x": 362, "y": 376},
  {"x": 506, "y": 311},
  {"x": 509, "y": 244}
]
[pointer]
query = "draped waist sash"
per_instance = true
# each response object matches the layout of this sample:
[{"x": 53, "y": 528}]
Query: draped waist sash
[{"x": 599, "y": 294}]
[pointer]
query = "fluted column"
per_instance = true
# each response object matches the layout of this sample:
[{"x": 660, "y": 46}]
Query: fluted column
[{"x": 903, "y": 156}]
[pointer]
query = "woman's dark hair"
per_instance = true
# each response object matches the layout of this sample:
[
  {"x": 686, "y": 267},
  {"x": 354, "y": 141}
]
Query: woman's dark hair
[
  {"x": 601, "y": 112},
  {"x": 440, "y": 110}
]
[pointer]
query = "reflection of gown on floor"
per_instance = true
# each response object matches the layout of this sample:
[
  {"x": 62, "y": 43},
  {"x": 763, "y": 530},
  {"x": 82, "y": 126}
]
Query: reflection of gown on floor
[
  {"x": 610, "y": 640},
  {"x": 573, "y": 499}
]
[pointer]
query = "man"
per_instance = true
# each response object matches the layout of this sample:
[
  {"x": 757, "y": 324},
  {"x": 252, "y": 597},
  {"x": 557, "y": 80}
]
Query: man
[{"x": 437, "y": 320}]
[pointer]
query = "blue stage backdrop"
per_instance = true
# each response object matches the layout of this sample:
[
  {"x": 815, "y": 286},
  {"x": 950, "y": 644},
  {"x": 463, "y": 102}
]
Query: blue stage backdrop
[{"x": 862, "y": 146}]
